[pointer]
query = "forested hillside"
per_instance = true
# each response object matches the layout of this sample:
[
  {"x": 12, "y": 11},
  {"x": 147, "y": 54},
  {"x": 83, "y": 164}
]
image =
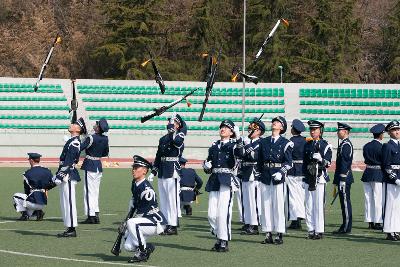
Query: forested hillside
[{"x": 354, "y": 41}]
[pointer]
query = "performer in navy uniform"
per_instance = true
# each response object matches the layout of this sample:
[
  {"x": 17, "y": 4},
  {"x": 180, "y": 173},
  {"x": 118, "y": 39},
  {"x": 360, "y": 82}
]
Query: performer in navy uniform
[
  {"x": 372, "y": 178},
  {"x": 317, "y": 158},
  {"x": 190, "y": 185},
  {"x": 67, "y": 177},
  {"x": 294, "y": 181},
  {"x": 167, "y": 167},
  {"x": 221, "y": 184},
  {"x": 274, "y": 159},
  {"x": 37, "y": 180},
  {"x": 344, "y": 177},
  {"x": 148, "y": 220},
  {"x": 248, "y": 150},
  {"x": 96, "y": 147},
  {"x": 391, "y": 166}
]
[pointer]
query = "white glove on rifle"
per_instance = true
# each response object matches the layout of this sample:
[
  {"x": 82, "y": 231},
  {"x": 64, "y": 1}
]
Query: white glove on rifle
[
  {"x": 397, "y": 182},
  {"x": 207, "y": 165},
  {"x": 277, "y": 176},
  {"x": 342, "y": 186},
  {"x": 150, "y": 178},
  {"x": 246, "y": 140},
  {"x": 56, "y": 181},
  {"x": 317, "y": 156},
  {"x": 236, "y": 131}
]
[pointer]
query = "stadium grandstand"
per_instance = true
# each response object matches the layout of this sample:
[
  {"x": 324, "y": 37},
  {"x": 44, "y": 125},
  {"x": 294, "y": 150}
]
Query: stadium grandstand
[{"x": 41, "y": 119}]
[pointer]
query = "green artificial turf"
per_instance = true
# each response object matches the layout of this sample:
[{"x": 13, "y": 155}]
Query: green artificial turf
[{"x": 191, "y": 247}]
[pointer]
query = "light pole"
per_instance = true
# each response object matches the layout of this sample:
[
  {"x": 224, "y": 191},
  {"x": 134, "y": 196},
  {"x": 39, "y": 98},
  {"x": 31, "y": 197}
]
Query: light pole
[
  {"x": 244, "y": 65},
  {"x": 281, "y": 71}
]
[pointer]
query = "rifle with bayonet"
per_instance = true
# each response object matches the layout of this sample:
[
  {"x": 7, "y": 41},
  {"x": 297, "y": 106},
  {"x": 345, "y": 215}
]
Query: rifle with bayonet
[{"x": 74, "y": 103}]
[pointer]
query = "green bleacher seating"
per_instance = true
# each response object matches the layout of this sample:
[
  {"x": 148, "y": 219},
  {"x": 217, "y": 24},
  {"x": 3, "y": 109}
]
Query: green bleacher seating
[
  {"x": 19, "y": 107},
  {"x": 349, "y": 93},
  {"x": 186, "y": 109}
]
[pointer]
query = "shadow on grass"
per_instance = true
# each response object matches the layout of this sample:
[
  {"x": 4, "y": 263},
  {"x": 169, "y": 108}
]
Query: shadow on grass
[
  {"x": 106, "y": 257},
  {"x": 32, "y": 233},
  {"x": 182, "y": 247}
]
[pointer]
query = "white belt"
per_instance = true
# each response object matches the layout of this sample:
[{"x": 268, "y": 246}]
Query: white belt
[
  {"x": 298, "y": 161},
  {"x": 395, "y": 167},
  {"x": 38, "y": 190},
  {"x": 222, "y": 170},
  {"x": 92, "y": 158},
  {"x": 249, "y": 163},
  {"x": 186, "y": 188},
  {"x": 272, "y": 165},
  {"x": 376, "y": 167},
  {"x": 169, "y": 159}
]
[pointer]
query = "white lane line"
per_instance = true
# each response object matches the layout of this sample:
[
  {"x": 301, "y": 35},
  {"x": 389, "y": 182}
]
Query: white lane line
[
  {"x": 47, "y": 230},
  {"x": 109, "y": 214},
  {"x": 6, "y": 221},
  {"x": 70, "y": 259}
]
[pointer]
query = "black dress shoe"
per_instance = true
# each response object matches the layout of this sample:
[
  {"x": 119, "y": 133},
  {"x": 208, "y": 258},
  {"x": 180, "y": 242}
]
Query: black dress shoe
[
  {"x": 89, "y": 220},
  {"x": 318, "y": 236},
  {"x": 268, "y": 239},
  {"x": 251, "y": 230},
  {"x": 24, "y": 216},
  {"x": 339, "y": 232},
  {"x": 278, "y": 239},
  {"x": 216, "y": 245},
  {"x": 150, "y": 248},
  {"x": 371, "y": 225},
  {"x": 39, "y": 215},
  {"x": 68, "y": 233},
  {"x": 295, "y": 225},
  {"x": 311, "y": 235},
  {"x": 141, "y": 256},
  {"x": 171, "y": 230},
  {"x": 97, "y": 218},
  {"x": 223, "y": 247},
  {"x": 378, "y": 226},
  {"x": 391, "y": 237},
  {"x": 244, "y": 227}
]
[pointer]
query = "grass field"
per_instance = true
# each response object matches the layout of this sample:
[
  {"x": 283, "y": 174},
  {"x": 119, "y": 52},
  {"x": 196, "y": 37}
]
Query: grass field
[{"x": 35, "y": 243}]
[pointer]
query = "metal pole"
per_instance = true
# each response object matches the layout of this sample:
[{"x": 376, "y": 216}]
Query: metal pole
[
  {"x": 244, "y": 65},
  {"x": 281, "y": 69}
]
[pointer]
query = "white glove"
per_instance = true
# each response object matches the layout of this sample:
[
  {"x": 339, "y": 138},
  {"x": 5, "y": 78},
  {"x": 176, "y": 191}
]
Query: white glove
[
  {"x": 66, "y": 178},
  {"x": 207, "y": 165},
  {"x": 246, "y": 140},
  {"x": 317, "y": 156},
  {"x": 150, "y": 177},
  {"x": 56, "y": 181},
  {"x": 277, "y": 176},
  {"x": 397, "y": 182},
  {"x": 303, "y": 185},
  {"x": 342, "y": 186},
  {"x": 66, "y": 138},
  {"x": 236, "y": 131}
]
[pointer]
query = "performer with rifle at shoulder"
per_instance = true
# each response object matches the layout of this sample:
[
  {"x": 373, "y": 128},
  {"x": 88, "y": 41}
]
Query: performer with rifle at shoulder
[
  {"x": 144, "y": 218},
  {"x": 317, "y": 158}
]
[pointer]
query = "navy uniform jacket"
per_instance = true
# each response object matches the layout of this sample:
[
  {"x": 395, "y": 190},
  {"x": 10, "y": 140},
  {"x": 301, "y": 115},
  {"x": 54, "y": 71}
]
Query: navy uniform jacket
[
  {"x": 189, "y": 181},
  {"x": 36, "y": 180},
  {"x": 297, "y": 155},
  {"x": 222, "y": 157},
  {"x": 170, "y": 148},
  {"x": 279, "y": 153},
  {"x": 145, "y": 202},
  {"x": 372, "y": 152},
  {"x": 390, "y": 157},
  {"x": 325, "y": 150},
  {"x": 248, "y": 155},
  {"x": 95, "y": 146},
  {"x": 69, "y": 158},
  {"x": 343, "y": 163}
]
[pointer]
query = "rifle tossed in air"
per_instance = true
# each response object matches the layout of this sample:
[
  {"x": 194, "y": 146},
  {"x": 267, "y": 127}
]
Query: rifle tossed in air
[
  {"x": 74, "y": 103},
  {"x": 210, "y": 84},
  {"x": 258, "y": 120},
  {"x": 46, "y": 61},
  {"x": 157, "y": 74},
  {"x": 161, "y": 110}
]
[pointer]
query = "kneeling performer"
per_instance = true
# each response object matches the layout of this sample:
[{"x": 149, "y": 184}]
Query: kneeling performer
[{"x": 148, "y": 220}]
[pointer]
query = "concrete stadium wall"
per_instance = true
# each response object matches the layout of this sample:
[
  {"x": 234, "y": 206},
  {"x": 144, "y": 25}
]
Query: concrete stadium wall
[{"x": 125, "y": 143}]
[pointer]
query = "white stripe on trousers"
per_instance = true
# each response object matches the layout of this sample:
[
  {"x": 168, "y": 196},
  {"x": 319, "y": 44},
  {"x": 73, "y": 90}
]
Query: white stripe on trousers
[
  {"x": 138, "y": 230},
  {"x": 373, "y": 199},
  {"x": 239, "y": 201},
  {"x": 296, "y": 197},
  {"x": 391, "y": 221},
  {"x": 220, "y": 212},
  {"x": 91, "y": 192},
  {"x": 169, "y": 199},
  {"x": 315, "y": 202},
  {"x": 273, "y": 208},
  {"x": 251, "y": 202},
  {"x": 68, "y": 203},
  {"x": 21, "y": 204}
]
